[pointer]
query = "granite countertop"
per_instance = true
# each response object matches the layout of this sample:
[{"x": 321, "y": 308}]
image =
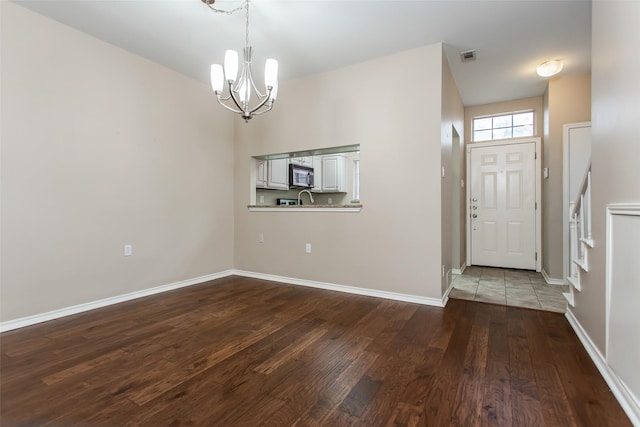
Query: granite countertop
[
  {"x": 306, "y": 206},
  {"x": 309, "y": 208}
]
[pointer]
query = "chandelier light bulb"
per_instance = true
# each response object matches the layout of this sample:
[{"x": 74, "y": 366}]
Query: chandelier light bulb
[
  {"x": 245, "y": 92},
  {"x": 270, "y": 73},
  {"x": 549, "y": 68},
  {"x": 217, "y": 78},
  {"x": 231, "y": 65},
  {"x": 274, "y": 93}
]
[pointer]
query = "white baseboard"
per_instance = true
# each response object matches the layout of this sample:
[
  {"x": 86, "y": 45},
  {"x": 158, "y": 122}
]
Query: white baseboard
[
  {"x": 68, "y": 311},
  {"x": 343, "y": 288},
  {"x": 550, "y": 280},
  {"x": 445, "y": 297},
  {"x": 56, "y": 314},
  {"x": 459, "y": 270},
  {"x": 626, "y": 399}
]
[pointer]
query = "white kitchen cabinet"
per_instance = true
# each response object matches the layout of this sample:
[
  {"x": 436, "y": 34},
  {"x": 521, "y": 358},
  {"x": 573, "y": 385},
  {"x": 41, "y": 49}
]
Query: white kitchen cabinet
[
  {"x": 278, "y": 174},
  {"x": 317, "y": 174},
  {"x": 261, "y": 174},
  {"x": 333, "y": 174},
  {"x": 302, "y": 161}
]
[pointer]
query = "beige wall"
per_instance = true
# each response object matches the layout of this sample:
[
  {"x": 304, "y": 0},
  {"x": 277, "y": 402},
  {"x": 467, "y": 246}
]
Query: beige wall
[
  {"x": 101, "y": 148},
  {"x": 615, "y": 145},
  {"x": 568, "y": 100},
  {"x": 394, "y": 244}
]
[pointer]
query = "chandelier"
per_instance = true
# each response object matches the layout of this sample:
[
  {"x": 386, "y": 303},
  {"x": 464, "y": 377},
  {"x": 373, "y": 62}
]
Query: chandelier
[{"x": 242, "y": 89}]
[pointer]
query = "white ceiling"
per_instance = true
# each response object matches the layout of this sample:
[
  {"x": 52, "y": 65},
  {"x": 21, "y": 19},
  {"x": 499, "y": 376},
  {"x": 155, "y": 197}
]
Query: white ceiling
[{"x": 309, "y": 36}]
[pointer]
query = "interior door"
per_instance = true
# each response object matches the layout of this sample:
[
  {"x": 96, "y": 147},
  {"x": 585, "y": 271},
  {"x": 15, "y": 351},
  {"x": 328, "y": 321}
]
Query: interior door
[{"x": 503, "y": 206}]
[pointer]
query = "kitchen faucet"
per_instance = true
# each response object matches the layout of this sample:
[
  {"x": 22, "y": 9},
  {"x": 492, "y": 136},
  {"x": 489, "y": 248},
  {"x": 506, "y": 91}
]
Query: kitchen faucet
[{"x": 304, "y": 191}]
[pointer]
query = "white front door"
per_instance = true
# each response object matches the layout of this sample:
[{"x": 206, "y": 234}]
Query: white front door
[{"x": 503, "y": 205}]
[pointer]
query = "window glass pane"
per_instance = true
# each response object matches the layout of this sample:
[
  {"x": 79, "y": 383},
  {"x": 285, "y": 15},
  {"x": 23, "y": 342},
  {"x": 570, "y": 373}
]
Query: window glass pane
[
  {"x": 520, "y": 131},
  {"x": 502, "y": 121},
  {"x": 482, "y": 124},
  {"x": 502, "y": 133},
  {"x": 523, "y": 118},
  {"x": 482, "y": 135},
  {"x": 504, "y": 126}
]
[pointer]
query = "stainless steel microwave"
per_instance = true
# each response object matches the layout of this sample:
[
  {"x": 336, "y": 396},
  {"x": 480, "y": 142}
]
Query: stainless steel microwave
[{"x": 300, "y": 176}]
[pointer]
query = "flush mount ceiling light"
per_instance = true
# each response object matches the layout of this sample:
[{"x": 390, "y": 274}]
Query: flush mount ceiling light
[
  {"x": 241, "y": 88},
  {"x": 549, "y": 68}
]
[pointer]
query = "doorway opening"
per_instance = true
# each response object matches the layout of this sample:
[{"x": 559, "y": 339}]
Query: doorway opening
[
  {"x": 504, "y": 204},
  {"x": 457, "y": 204}
]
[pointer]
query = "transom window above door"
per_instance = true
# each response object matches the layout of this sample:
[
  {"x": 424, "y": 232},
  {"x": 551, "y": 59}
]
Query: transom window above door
[{"x": 503, "y": 126}]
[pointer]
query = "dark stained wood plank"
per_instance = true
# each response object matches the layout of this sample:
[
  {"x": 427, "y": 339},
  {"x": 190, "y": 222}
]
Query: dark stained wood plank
[
  {"x": 440, "y": 400},
  {"x": 468, "y": 407},
  {"x": 555, "y": 408},
  {"x": 580, "y": 378},
  {"x": 332, "y": 396},
  {"x": 406, "y": 415},
  {"x": 496, "y": 393},
  {"x": 398, "y": 367},
  {"x": 288, "y": 352},
  {"x": 360, "y": 396},
  {"x": 239, "y": 351},
  {"x": 525, "y": 400}
]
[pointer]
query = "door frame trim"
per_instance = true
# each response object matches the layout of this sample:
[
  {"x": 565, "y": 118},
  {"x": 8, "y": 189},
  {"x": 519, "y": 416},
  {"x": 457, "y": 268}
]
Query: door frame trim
[{"x": 538, "y": 179}]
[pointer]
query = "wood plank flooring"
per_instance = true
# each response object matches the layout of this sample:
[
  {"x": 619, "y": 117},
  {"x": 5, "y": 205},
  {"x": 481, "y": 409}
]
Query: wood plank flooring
[{"x": 246, "y": 352}]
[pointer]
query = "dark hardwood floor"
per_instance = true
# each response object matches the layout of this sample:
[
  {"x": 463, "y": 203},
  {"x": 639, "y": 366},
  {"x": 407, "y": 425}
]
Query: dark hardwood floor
[{"x": 247, "y": 352}]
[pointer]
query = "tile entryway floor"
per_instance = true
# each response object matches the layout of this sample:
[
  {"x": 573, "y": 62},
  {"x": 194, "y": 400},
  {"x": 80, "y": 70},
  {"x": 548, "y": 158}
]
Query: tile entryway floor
[{"x": 517, "y": 288}]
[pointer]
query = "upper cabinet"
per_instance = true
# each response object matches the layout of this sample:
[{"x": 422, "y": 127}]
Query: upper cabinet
[
  {"x": 277, "y": 174},
  {"x": 317, "y": 174},
  {"x": 261, "y": 173},
  {"x": 332, "y": 175},
  {"x": 302, "y": 161}
]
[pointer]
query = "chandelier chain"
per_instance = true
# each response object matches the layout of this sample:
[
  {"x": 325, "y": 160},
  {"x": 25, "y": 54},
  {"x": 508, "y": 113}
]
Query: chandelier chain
[
  {"x": 247, "y": 25},
  {"x": 210, "y": 3},
  {"x": 243, "y": 5}
]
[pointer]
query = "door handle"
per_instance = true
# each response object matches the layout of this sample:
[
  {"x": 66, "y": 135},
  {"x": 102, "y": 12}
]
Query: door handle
[{"x": 475, "y": 215}]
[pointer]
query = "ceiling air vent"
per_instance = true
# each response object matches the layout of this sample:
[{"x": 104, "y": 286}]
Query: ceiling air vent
[{"x": 468, "y": 56}]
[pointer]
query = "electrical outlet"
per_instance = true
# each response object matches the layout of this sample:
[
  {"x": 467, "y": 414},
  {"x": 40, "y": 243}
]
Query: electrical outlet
[
  {"x": 330, "y": 200},
  {"x": 261, "y": 200},
  {"x": 128, "y": 250},
  {"x": 307, "y": 248},
  {"x": 261, "y": 238}
]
